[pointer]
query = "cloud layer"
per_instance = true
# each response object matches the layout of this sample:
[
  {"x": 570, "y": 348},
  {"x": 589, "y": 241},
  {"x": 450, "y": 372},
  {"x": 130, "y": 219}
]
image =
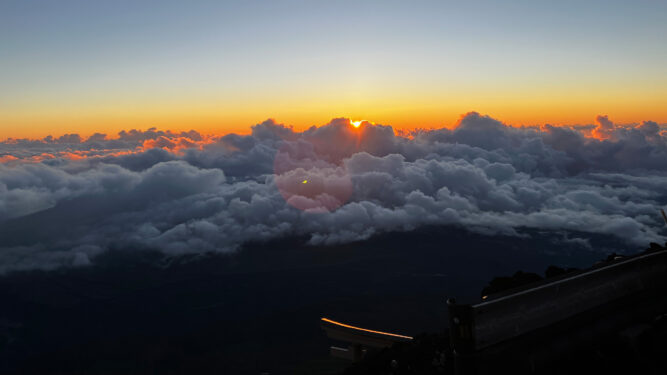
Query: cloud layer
[{"x": 65, "y": 200}]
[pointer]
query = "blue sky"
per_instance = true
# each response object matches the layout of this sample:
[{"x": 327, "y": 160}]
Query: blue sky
[{"x": 58, "y": 57}]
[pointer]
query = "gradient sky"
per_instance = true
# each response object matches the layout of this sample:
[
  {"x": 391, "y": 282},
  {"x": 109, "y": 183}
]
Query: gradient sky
[{"x": 102, "y": 66}]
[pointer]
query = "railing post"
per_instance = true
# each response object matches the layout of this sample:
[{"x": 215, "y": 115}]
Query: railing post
[
  {"x": 461, "y": 323},
  {"x": 357, "y": 352}
]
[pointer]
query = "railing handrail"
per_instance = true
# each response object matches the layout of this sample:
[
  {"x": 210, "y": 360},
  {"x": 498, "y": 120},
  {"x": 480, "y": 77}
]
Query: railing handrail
[{"x": 583, "y": 274}]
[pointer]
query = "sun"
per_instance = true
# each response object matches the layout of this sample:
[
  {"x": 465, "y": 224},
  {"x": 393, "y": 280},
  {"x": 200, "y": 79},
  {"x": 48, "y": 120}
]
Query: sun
[{"x": 356, "y": 124}]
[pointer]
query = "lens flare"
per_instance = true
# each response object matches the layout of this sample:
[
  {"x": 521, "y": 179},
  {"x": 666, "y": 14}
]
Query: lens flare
[{"x": 309, "y": 181}]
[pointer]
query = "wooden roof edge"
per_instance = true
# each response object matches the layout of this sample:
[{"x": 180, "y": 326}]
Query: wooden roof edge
[{"x": 329, "y": 323}]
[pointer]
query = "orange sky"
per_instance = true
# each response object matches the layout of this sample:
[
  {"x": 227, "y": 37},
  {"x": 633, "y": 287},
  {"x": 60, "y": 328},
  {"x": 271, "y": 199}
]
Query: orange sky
[
  {"x": 404, "y": 108},
  {"x": 220, "y": 67}
]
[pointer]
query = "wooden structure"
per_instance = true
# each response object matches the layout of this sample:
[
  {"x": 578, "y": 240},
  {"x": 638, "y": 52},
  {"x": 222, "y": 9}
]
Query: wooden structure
[
  {"x": 531, "y": 326},
  {"x": 360, "y": 339}
]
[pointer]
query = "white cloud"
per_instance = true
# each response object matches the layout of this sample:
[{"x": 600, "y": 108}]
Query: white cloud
[{"x": 187, "y": 193}]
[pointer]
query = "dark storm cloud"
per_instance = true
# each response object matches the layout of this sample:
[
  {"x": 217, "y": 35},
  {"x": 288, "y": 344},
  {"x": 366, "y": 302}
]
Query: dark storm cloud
[{"x": 65, "y": 200}]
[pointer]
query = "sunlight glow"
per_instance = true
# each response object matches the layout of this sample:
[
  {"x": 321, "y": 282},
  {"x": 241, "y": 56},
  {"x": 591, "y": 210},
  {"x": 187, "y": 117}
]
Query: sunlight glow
[{"x": 356, "y": 124}]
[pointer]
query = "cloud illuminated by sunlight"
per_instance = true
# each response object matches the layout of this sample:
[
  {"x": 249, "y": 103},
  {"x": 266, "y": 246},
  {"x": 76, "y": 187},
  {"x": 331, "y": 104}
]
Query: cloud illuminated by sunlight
[{"x": 331, "y": 183}]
